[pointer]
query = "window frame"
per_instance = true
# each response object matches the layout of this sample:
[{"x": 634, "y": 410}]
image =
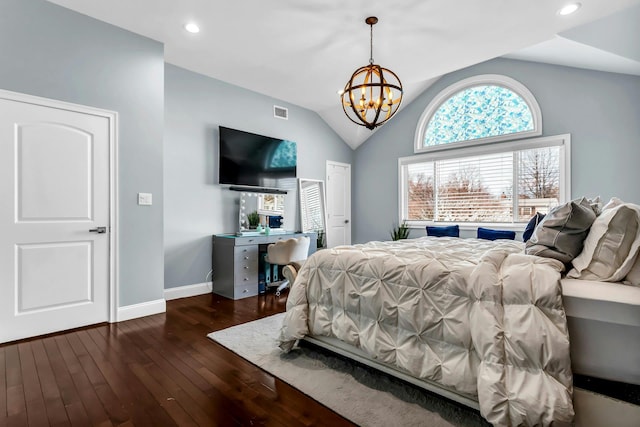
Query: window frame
[
  {"x": 563, "y": 140},
  {"x": 480, "y": 80}
]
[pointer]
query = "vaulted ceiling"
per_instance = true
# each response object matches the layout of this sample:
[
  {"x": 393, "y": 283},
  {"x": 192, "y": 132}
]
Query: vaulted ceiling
[{"x": 303, "y": 52}]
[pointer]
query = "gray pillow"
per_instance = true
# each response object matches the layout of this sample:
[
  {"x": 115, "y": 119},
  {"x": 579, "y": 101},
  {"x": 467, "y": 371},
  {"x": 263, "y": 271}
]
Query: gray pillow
[{"x": 560, "y": 235}]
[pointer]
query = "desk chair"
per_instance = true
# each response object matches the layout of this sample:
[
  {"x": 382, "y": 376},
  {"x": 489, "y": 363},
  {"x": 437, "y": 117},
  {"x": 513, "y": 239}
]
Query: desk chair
[{"x": 290, "y": 253}]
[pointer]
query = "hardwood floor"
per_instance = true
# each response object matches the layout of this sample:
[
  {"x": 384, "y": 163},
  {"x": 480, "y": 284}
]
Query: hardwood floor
[{"x": 159, "y": 370}]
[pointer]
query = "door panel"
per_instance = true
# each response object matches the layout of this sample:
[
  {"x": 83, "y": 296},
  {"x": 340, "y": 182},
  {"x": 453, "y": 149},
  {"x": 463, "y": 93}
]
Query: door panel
[
  {"x": 53, "y": 190},
  {"x": 66, "y": 264},
  {"x": 338, "y": 204},
  {"x": 54, "y": 177}
]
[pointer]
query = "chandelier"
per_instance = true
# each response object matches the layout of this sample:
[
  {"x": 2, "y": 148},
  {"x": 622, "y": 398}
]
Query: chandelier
[{"x": 373, "y": 94}]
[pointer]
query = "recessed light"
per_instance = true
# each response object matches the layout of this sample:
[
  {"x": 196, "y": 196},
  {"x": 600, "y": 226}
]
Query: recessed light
[
  {"x": 569, "y": 9},
  {"x": 192, "y": 27}
]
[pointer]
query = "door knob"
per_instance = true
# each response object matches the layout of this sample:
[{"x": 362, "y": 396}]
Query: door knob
[
  {"x": 346, "y": 221},
  {"x": 99, "y": 230}
]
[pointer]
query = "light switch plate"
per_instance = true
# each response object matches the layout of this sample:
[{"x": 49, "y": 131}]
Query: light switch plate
[{"x": 145, "y": 199}]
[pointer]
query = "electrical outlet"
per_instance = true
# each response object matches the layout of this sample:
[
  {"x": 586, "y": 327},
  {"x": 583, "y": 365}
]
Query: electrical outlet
[{"x": 145, "y": 199}]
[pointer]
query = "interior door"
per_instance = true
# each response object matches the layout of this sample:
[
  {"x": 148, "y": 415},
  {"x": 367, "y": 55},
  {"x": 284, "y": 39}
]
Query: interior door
[
  {"x": 54, "y": 183},
  {"x": 338, "y": 204}
]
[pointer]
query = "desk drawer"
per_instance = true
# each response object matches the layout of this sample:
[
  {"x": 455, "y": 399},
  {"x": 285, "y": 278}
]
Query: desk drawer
[
  {"x": 246, "y": 256},
  {"x": 250, "y": 240},
  {"x": 245, "y": 291},
  {"x": 243, "y": 279},
  {"x": 277, "y": 238}
]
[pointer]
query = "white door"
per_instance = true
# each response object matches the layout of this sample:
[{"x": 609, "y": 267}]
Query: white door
[
  {"x": 338, "y": 204},
  {"x": 54, "y": 184}
]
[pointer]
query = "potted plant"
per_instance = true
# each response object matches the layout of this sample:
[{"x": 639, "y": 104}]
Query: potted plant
[
  {"x": 254, "y": 219},
  {"x": 320, "y": 241},
  {"x": 400, "y": 232}
]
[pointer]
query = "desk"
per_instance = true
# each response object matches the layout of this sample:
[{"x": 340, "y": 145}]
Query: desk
[{"x": 236, "y": 261}]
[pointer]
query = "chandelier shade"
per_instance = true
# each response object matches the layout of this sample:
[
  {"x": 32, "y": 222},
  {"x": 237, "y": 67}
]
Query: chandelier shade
[{"x": 373, "y": 94}]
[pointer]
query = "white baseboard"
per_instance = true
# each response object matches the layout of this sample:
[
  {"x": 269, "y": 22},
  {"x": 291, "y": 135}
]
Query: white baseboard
[
  {"x": 187, "y": 291},
  {"x": 134, "y": 311}
]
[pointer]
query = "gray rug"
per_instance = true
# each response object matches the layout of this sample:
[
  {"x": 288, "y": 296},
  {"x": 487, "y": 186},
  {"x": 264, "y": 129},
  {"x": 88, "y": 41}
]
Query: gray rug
[{"x": 369, "y": 398}]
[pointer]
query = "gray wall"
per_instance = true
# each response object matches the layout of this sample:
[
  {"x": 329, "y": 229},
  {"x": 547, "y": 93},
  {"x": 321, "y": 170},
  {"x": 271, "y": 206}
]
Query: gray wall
[
  {"x": 195, "y": 206},
  {"x": 600, "y": 110},
  {"x": 49, "y": 51}
]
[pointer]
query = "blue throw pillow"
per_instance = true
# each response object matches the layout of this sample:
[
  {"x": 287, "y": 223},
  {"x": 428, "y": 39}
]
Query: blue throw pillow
[
  {"x": 533, "y": 223},
  {"x": 489, "y": 234},
  {"x": 444, "y": 231}
]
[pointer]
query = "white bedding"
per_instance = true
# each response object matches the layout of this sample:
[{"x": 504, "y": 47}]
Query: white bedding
[{"x": 476, "y": 316}]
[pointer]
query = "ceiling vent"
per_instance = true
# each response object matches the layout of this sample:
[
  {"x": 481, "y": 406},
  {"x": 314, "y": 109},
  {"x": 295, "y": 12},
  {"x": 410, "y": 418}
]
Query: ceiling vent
[{"x": 280, "y": 112}]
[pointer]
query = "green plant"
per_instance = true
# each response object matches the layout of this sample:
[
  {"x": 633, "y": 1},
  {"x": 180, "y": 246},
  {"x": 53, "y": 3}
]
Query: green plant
[
  {"x": 320, "y": 242},
  {"x": 400, "y": 232},
  {"x": 254, "y": 219}
]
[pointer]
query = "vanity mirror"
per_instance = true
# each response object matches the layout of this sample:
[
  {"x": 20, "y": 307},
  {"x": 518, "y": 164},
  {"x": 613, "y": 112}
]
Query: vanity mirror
[
  {"x": 312, "y": 208},
  {"x": 259, "y": 211}
]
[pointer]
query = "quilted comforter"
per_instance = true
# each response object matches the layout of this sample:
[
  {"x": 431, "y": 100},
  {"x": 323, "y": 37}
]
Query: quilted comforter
[{"x": 476, "y": 316}]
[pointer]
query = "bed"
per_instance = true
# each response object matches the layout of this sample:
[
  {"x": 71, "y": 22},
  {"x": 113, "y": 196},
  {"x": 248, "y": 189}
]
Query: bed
[{"x": 486, "y": 323}]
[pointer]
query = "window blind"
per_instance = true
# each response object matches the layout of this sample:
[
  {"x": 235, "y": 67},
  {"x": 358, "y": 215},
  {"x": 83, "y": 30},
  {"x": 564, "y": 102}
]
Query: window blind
[
  {"x": 311, "y": 218},
  {"x": 538, "y": 181},
  {"x": 502, "y": 187},
  {"x": 475, "y": 189},
  {"x": 420, "y": 186}
]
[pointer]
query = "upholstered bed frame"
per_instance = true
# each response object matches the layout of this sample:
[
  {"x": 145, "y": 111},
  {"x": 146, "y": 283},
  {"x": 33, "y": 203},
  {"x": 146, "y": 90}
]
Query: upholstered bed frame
[
  {"x": 354, "y": 353},
  {"x": 604, "y": 327}
]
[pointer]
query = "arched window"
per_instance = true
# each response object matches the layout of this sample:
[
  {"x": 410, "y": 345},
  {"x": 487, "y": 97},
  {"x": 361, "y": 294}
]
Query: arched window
[
  {"x": 459, "y": 178},
  {"x": 478, "y": 110}
]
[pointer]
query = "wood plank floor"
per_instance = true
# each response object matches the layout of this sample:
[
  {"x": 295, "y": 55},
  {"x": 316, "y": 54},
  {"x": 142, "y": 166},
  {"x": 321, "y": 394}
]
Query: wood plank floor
[{"x": 159, "y": 370}]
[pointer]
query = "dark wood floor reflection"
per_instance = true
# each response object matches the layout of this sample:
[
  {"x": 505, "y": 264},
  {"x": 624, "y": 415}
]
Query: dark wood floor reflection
[{"x": 159, "y": 370}]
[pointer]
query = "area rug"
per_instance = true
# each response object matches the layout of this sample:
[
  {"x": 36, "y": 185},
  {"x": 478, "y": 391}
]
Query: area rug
[{"x": 370, "y": 398}]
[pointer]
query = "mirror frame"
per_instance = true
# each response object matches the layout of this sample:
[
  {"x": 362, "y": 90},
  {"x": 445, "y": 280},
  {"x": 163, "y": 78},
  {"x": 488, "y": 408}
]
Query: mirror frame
[
  {"x": 323, "y": 207},
  {"x": 243, "y": 223}
]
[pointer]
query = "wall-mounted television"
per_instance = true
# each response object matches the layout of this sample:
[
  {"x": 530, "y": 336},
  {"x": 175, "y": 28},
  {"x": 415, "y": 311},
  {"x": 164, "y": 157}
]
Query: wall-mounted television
[{"x": 249, "y": 159}]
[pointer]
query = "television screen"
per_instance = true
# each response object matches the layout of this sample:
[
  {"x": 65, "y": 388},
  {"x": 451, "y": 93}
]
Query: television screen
[{"x": 256, "y": 160}]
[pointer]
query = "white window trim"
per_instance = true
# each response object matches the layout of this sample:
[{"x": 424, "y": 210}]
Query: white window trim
[
  {"x": 563, "y": 140},
  {"x": 485, "y": 79}
]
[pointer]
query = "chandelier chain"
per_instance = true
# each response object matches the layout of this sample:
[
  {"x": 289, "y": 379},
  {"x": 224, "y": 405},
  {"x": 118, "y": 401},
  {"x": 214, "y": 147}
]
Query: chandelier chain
[{"x": 371, "y": 44}]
